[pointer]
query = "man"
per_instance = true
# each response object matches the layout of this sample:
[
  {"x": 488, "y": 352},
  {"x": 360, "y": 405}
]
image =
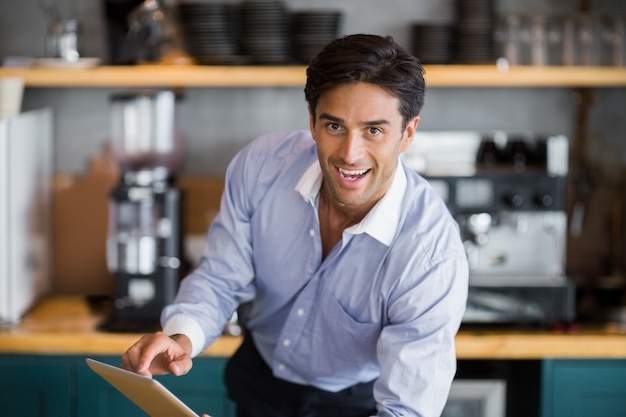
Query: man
[{"x": 352, "y": 267}]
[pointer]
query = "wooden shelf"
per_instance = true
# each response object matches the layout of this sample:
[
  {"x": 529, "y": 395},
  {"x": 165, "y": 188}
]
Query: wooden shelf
[
  {"x": 294, "y": 76},
  {"x": 162, "y": 76},
  {"x": 492, "y": 76}
]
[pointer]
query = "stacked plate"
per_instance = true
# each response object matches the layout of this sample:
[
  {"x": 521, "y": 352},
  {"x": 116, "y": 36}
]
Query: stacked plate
[
  {"x": 312, "y": 30},
  {"x": 475, "y": 20},
  {"x": 211, "y": 32},
  {"x": 265, "y": 31},
  {"x": 433, "y": 43}
]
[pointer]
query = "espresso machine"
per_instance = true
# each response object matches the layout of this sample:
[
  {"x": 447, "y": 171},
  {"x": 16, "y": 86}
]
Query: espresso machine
[
  {"x": 506, "y": 190},
  {"x": 143, "y": 242}
]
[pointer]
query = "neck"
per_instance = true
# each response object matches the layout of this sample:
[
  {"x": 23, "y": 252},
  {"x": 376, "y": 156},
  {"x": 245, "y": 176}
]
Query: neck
[{"x": 340, "y": 214}]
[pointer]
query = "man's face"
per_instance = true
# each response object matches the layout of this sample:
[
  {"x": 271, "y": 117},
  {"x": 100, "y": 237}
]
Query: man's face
[{"x": 359, "y": 135}]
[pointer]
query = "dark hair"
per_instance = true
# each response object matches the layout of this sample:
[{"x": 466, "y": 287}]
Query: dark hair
[{"x": 372, "y": 59}]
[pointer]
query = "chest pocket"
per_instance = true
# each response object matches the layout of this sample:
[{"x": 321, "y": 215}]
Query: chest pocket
[{"x": 334, "y": 343}]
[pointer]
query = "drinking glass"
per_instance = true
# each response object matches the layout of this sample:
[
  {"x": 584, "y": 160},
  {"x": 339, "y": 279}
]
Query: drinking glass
[{"x": 613, "y": 40}]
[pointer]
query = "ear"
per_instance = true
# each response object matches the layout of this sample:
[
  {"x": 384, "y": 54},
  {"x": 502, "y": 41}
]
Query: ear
[{"x": 409, "y": 133}]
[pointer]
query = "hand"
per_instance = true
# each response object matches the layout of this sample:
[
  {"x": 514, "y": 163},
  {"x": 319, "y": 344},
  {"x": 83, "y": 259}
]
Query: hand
[{"x": 158, "y": 354}]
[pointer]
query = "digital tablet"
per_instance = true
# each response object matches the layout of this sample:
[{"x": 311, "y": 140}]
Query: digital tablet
[{"x": 147, "y": 393}]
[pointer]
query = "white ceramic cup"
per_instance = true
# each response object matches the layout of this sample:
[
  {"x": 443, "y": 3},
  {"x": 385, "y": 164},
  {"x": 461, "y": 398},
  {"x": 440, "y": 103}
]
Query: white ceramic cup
[{"x": 11, "y": 92}]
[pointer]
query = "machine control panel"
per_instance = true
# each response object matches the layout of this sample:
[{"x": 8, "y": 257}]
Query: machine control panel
[{"x": 494, "y": 192}]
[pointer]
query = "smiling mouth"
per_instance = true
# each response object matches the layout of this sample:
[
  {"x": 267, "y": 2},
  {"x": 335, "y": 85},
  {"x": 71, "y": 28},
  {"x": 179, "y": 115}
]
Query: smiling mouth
[{"x": 352, "y": 175}]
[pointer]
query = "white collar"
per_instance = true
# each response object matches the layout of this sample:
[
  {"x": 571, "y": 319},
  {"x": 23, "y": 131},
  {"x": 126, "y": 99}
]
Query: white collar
[{"x": 382, "y": 220}]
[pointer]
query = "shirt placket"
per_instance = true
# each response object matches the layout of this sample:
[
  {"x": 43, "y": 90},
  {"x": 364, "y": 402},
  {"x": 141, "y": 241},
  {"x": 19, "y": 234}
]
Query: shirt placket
[{"x": 295, "y": 325}]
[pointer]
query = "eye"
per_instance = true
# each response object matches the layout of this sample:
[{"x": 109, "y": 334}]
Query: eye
[
  {"x": 333, "y": 127},
  {"x": 374, "y": 131}
]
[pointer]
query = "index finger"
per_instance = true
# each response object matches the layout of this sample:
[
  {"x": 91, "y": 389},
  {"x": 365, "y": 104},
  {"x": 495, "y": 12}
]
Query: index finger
[
  {"x": 155, "y": 355},
  {"x": 140, "y": 355}
]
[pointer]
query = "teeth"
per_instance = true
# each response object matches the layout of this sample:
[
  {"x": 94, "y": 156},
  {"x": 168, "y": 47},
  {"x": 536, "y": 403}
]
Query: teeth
[{"x": 352, "y": 173}]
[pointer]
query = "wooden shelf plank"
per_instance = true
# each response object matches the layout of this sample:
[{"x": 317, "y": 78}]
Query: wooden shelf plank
[
  {"x": 294, "y": 76},
  {"x": 524, "y": 76},
  {"x": 161, "y": 76}
]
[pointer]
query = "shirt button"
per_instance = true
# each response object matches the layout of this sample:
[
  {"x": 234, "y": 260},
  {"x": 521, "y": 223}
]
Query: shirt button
[
  {"x": 311, "y": 232},
  {"x": 281, "y": 366},
  {"x": 286, "y": 342},
  {"x": 300, "y": 312}
]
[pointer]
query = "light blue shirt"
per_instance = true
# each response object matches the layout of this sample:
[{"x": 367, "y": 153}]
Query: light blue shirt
[{"x": 385, "y": 303}]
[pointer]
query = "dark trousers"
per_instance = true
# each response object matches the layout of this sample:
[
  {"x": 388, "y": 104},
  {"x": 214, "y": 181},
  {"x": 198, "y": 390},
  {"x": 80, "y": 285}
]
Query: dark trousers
[{"x": 257, "y": 393}]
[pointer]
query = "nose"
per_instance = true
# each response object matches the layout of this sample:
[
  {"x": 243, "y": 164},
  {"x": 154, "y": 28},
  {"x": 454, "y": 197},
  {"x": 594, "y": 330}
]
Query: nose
[{"x": 351, "y": 149}]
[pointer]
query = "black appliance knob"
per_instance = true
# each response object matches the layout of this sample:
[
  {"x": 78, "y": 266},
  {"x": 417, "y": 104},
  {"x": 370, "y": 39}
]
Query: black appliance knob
[
  {"x": 514, "y": 199},
  {"x": 544, "y": 199}
]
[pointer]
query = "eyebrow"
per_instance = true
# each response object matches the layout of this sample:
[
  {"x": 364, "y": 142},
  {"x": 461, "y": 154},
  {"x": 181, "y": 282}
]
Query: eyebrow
[{"x": 326, "y": 116}]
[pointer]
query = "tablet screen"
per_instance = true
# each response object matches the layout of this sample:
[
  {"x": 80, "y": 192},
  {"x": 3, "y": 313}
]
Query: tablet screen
[{"x": 147, "y": 393}]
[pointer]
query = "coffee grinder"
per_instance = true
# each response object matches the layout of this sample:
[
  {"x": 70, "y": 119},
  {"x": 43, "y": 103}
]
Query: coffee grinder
[{"x": 143, "y": 243}]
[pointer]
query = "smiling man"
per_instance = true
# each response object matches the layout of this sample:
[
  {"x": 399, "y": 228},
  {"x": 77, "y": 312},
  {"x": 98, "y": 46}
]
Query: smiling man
[
  {"x": 351, "y": 267},
  {"x": 357, "y": 154}
]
